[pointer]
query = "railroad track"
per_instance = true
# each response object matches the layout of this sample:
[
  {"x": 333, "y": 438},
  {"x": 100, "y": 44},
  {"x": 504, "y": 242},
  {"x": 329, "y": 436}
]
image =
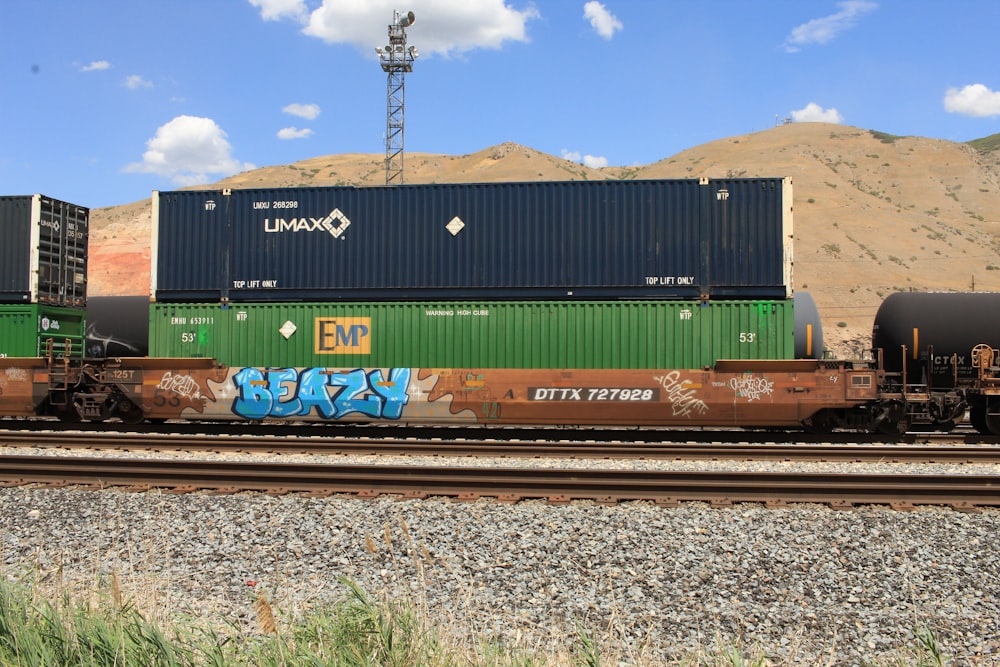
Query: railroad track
[
  {"x": 961, "y": 435},
  {"x": 972, "y": 454},
  {"x": 963, "y": 492}
]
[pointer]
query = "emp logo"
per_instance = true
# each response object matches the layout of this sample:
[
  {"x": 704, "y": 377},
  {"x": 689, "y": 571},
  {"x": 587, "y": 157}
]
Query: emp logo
[{"x": 343, "y": 335}]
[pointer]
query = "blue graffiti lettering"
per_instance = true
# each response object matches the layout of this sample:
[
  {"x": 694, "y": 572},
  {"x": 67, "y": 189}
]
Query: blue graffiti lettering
[
  {"x": 313, "y": 393},
  {"x": 282, "y": 385},
  {"x": 355, "y": 384},
  {"x": 289, "y": 392},
  {"x": 393, "y": 391},
  {"x": 254, "y": 400}
]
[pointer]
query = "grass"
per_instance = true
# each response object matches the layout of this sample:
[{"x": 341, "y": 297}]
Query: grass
[
  {"x": 43, "y": 624},
  {"x": 986, "y": 144},
  {"x": 886, "y": 138},
  {"x": 357, "y": 631}
]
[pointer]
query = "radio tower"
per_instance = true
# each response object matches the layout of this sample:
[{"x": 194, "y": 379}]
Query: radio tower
[{"x": 396, "y": 59}]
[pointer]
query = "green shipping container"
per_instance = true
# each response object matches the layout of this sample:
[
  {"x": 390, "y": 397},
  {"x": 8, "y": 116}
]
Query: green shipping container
[
  {"x": 499, "y": 334},
  {"x": 27, "y": 329}
]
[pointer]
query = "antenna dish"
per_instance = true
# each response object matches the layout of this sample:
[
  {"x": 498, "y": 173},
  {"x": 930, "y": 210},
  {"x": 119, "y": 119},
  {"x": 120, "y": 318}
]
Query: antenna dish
[{"x": 407, "y": 21}]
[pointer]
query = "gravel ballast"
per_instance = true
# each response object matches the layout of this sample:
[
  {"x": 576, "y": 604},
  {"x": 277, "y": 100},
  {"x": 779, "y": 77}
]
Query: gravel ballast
[{"x": 804, "y": 584}]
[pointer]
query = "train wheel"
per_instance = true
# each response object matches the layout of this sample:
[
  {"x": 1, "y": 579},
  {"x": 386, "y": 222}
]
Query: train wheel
[
  {"x": 820, "y": 423},
  {"x": 893, "y": 428},
  {"x": 891, "y": 419},
  {"x": 992, "y": 417},
  {"x": 69, "y": 414},
  {"x": 977, "y": 417},
  {"x": 129, "y": 412},
  {"x": 945, "y": 426}
]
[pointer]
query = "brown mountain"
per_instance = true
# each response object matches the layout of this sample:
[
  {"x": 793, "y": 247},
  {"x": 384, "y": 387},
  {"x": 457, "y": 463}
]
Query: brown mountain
[{"x": 874, "y": 213}]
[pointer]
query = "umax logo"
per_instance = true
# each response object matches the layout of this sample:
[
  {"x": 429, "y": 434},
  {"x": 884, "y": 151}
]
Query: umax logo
[
  {"x": 343, "y": 335},
  {"x": 334, "y": 224}
]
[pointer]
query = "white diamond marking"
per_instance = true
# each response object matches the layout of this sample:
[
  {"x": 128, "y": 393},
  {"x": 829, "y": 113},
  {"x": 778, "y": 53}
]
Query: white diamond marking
[{"x": 455, "y": 226}]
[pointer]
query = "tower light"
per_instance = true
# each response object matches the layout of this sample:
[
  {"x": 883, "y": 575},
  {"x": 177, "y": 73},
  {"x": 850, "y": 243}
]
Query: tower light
[{"x": 396, "y": 60}]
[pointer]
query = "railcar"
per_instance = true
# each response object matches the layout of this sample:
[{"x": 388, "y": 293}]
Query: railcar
[
  {"x": 766, "y": 393},
  {"x": 945, "y": 346},
  {"x": 645, "y": 303},
  {"x": 881, "y": 394}
]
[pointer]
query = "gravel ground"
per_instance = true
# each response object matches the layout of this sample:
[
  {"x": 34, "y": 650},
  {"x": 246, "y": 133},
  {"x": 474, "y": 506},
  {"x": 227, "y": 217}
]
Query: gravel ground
[{"x": 806, "y": 584}]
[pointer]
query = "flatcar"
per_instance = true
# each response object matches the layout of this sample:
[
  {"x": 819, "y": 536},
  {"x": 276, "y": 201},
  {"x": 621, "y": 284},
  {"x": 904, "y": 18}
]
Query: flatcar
[
  {"x": 812, "y": 394},
  {"x": 881, "y": 394},
  {"x": 645, "y": 303}
]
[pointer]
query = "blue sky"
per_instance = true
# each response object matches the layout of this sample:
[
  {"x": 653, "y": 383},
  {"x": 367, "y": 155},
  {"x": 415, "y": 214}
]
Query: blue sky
[{"x": 106, "y": 100}]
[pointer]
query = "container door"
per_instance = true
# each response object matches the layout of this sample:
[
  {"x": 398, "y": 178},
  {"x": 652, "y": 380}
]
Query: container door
[
  {"x": 62, "y": 252},
  {"x": 15, "y": 255},
  {"x": 190, "y": 246}
]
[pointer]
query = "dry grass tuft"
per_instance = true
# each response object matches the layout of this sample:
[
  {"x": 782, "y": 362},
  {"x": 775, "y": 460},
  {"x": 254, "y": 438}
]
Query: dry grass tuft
[
  {"x": 116, "y": 588},
  {"x": 265, "y": 615}
]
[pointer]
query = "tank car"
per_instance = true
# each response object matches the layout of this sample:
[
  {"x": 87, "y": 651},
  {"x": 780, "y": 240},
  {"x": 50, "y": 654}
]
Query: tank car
[
  {"x": 938, "y": 331},
  {"x": 808, "y": 328},
  {"x": 117, "y": 326},
  {"x": 944, "y": 344}
]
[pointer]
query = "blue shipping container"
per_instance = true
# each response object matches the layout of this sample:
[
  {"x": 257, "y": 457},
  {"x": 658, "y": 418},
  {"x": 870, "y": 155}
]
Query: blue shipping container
[{"x": 676, "y": 239}]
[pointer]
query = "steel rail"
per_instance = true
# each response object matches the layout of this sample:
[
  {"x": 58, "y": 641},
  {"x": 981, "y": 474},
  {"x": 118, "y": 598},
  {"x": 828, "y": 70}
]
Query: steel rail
[
  {"x": 509, "y": 448},
  {"x": 960, "y": 435},
  {"x": 509, "y": 484}
]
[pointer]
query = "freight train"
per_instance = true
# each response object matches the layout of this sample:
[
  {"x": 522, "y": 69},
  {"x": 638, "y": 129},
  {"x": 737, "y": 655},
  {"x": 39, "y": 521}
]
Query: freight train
[{"x": 636, "y": 303}]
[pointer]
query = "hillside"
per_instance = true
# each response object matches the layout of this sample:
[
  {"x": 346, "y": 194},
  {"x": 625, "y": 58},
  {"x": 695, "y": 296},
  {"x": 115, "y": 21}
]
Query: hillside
[{"x": 874, "y": 213}]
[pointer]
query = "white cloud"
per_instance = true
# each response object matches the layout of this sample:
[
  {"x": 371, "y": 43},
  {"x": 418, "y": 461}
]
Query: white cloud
[
  {"x": 824, "y": 30},
  {"x": 186, "y": 150},
  {"x": 274, "y": 10},
  {"x": 603, "y": 21},
  {"x": 591, "y": 161},
  {"x": 96, "y": 66},
  {"x": 814, "y": 113},
  {"x": 136, "y": 81},
  {"x": 972, "y": 100},
  {"x": 441, "y": 26},
  {"x": 294, "y": 133},
  {"x": 307, "y": 111}
]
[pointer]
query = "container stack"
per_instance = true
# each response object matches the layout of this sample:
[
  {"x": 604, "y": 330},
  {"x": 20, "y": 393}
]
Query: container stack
[
  {"x": 43, "y": 276},
  {"x": 602, "y": 274}
]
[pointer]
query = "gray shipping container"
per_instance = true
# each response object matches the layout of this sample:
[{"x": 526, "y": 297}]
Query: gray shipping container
[
  {"x": 673, "y": 239},
  {"x": 43, "y": 257}
]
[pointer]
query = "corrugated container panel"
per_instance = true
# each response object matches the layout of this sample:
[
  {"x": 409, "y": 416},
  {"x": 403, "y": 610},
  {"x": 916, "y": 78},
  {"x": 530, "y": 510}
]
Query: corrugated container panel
[
  {"x": 43, "y": 257},
  {"x": 190, "y": 231},
  {"x": 498, "y": 334},
  {"x": 674, "y": 239},
  {"x": 747, "y": 245},
  {"x": 28, "y": 330}
]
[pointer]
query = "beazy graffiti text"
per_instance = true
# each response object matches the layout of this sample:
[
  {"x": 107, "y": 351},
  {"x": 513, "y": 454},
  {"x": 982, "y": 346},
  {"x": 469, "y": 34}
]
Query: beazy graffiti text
[{"x": 293, "y": 392}]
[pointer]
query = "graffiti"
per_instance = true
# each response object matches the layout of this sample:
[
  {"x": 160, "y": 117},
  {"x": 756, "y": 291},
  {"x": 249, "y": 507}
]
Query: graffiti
[
  {"x": 682, "y": 397},
  {"x": 751, "y": 388},
  {"x": 291, "y": 392},
  {"x": 17, "y": 374},
  {"x": 182, "y": 385}
]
